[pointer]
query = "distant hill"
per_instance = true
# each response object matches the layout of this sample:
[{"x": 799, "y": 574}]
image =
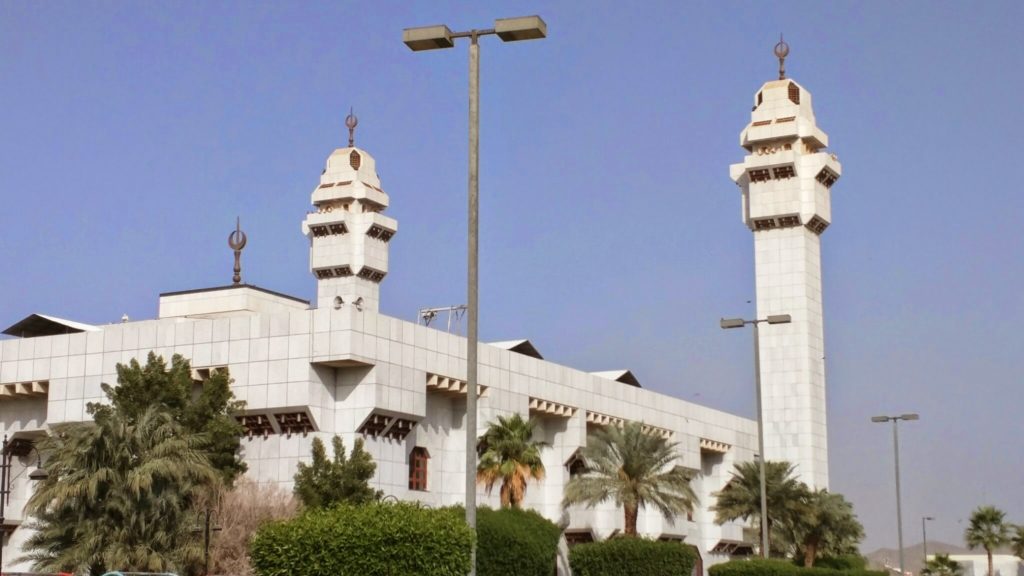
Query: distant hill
[{"x": 913, "y": 556}]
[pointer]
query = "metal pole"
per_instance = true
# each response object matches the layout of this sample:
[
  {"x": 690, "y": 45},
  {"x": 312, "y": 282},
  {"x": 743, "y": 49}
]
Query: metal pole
[
  {"x": 206, "y": 545},
  {"x": 899, "y": 511},
  {"x": 473, "y": 277},
  {"x": 924, "y": 537},
  {"x": 760, "y": 444},
  {"x": 4, "y": 465}
]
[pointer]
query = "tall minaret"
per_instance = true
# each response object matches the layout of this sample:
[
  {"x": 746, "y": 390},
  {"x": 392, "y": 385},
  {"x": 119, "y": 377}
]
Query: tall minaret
[
  {"x": 347, "y": 231},
  {"x": 785, "y": 179}
]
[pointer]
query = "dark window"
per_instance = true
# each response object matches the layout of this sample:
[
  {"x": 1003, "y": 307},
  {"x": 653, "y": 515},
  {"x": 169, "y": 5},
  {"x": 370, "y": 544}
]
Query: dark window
[
  {"x": 794, "y": 93},
  {"x": 418, "y": 468}
]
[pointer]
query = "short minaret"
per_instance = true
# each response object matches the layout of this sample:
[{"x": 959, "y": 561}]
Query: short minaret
[
  {"x": 785, "y": 180},
  {"x": 347, "y": 231}
]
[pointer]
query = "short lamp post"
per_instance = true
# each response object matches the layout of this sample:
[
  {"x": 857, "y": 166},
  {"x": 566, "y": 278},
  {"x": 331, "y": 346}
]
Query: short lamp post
[
  {"x": 896, "y": 450},
  {"x": 6, "y": 456},
  {"x": 432, "y": 38},
  {"x": 740, "y": 323},
  {"x": 924, "y": 536}
]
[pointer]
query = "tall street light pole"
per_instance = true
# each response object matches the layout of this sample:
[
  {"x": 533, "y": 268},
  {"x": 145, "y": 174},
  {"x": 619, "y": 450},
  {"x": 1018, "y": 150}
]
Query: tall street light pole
[
  {"x": 740, "y": 323},
  {"x": 924, "y": 536},
  {"x": 431, "y": 38},
  {"x": 896, "y": 450}
]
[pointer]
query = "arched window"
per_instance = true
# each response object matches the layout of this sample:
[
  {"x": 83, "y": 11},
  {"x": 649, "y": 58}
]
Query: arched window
[
  {"x": 794, "y": 93},
  {"x": 418, "y": 468}
]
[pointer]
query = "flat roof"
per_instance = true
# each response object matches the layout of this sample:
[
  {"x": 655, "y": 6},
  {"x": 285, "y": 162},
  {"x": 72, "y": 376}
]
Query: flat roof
[{"x": 235, "y": 286}]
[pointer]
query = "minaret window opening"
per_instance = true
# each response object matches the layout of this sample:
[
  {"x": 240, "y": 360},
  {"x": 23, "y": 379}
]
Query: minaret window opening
[
  {"x": 760, "y": 175},
  {"x": 760, "y": 98},
  {"x": 794, "y": 93},
  {"x": 826, "y": 177},
  {"x": 780, "y": 172},
  {"x": 355, "y": 160},
  {"x": 762, "y": 123},
  {"x": 379, "y": 233}
]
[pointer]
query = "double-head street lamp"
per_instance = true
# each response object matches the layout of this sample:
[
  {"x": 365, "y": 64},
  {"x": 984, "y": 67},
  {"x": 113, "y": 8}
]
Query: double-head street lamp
[
  {"x": 9, "y": 450},
  {"x": 727, "y": 323},
  {"x": 896, "y": 450},
  {"x": 432, "y": 38}
]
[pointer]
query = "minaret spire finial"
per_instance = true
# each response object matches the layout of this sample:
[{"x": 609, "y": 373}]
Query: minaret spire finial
[
  {"x": 236, "y": 241},
  {"x": 351, "y": 121},
  {"x": 781, "y": 51}
]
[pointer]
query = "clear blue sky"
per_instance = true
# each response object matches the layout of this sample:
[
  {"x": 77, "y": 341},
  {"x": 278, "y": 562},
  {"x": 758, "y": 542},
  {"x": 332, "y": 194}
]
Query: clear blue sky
[{"x": 133, "y": 133}]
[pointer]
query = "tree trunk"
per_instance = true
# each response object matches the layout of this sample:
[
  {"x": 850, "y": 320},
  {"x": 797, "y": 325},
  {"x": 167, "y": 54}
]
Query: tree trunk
[
  {"x": 810, "y": 552},
  {"x": 989, "y": 552},
  {"x": 631, "y": 513},
  {"x": 506, "y": 494}
]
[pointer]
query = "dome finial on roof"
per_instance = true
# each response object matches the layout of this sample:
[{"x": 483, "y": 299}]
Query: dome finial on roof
[
  {"x": 781, "y": 51},
  {"x": 236, "y": 241},
  {"x": 351, "y": 121}
]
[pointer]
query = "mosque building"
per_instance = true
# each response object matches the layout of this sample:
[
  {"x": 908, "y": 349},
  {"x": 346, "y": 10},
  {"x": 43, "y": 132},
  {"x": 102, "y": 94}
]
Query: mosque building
[{"x": 337, "y": 366}]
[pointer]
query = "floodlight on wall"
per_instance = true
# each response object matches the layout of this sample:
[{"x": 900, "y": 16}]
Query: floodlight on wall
[{"x": 780, "y": 319}]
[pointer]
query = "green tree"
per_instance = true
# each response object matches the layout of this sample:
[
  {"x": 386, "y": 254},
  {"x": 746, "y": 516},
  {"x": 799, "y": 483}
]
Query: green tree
[
  {"x": 741, "y": 496},
  {"x": 636, "y": 470},
  {"x": 987, "y": 529},
  {"x": 822, "y": 524},
  {"x": 208, "y": 408},
  {"x": 1018, "y": 541},
  {"x": 512, "y": 456},
  {"x": 941, "y": 565},
  {"x": 324, "y": 482},
  {"x": 119, "y": 495}
]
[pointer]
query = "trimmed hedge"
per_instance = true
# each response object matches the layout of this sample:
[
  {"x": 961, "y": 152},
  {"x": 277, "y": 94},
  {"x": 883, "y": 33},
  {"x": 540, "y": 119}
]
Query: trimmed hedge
[
  {"x": 847, "y": 562},
  {"x": 760, "y": 567},
  {"x": 632, "y": 557},
  {"x": 514, "y": 542},
  {"x": 370, "y": 540}
]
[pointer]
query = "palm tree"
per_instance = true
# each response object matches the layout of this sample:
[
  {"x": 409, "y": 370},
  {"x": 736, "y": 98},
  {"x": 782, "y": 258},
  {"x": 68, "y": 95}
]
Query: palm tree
[
  {"x": 511, "y": 455},
  {"x": 119, "y": 495},
  {"x": 1018, "y": 541},
  {"x": 741, "y": 496},
  {"x": 941, "y": 565},
  {"x": 823, "y": 524},
  {"x": 987, "y": 529},
  {"x": 635, "y": 469}
]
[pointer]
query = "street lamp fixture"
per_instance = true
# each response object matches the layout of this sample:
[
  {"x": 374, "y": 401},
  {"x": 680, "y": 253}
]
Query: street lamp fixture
[
  {"x": 727, "y": 323},
  {"x": 433, "y": 38},
  {"x": 896, "y": 451}
]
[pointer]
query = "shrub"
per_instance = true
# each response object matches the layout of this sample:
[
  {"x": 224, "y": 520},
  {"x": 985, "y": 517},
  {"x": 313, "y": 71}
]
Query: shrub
[
  {"x": 370, "y": 540},
  {"x": 845, "y": 562},
  {"x": 240, "y": 513},
  {"x": 514, "y": 542},
  {"x": 629, "y": 556},
  {"x": 782, "y": 568}
]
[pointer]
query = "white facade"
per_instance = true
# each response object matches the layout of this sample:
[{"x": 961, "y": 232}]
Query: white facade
[
  {"x": 340, "y": 367},
  {"x": 785, "y": 181}
]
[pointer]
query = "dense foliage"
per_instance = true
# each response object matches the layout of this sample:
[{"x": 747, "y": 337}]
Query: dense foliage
[
  {"x": 345, "y": 479},
  {"x": 1017, "y": 542},
  {"x": 515, "y": 542},
  {"x": 371, "y": 540},
  {"x": 510, "y": 455},
  {"x": 988, "y": 529},
  {"x": 942, "y": 565},
  {"x": 821, "y": 522},
  {"x": 630, "y": 556},
  {"x": 635, "y": 469},
  {"x": 208, "y": 409},
  {"x": 779, "y": 567},
  {"x": 119, "y": 495},
  {"x": 741, "y": 496},
  {"x": 844, "y": 562}
]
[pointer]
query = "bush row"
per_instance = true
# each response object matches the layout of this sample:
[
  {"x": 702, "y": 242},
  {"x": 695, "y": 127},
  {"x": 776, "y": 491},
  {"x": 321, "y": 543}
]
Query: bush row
[
  {"x": 370, "y": 540},
  {"x": 759, "y": 567},
  {"x": 632, "y": 556},
  {"x": 515, "y": 542}
]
